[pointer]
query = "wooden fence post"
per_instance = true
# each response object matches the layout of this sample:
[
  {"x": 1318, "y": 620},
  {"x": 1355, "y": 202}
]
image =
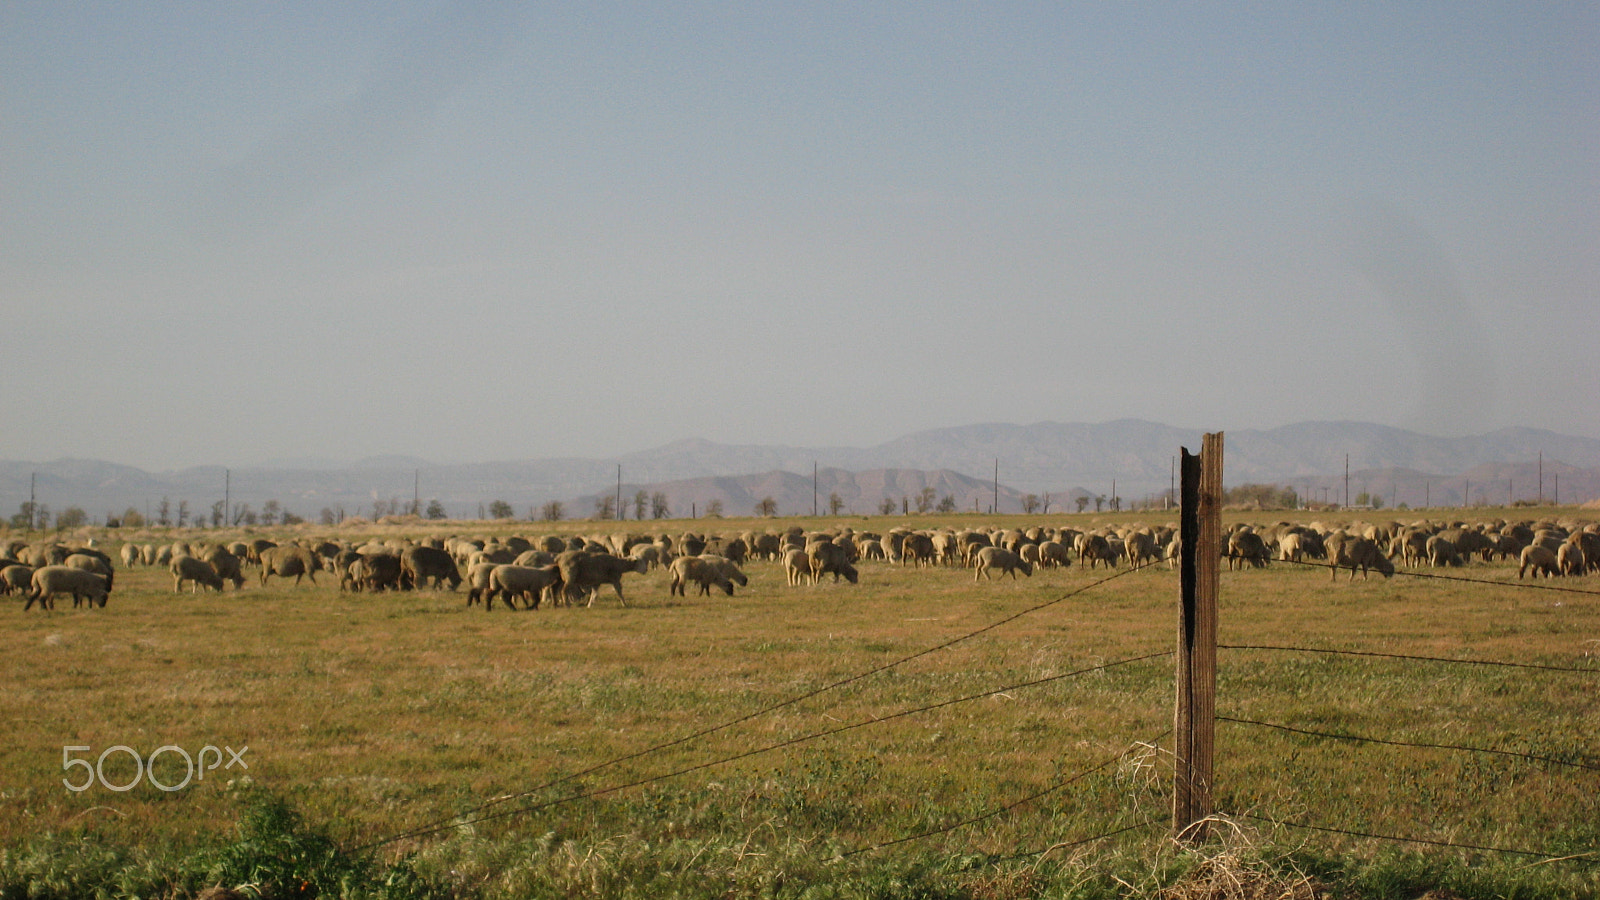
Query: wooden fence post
[{"x": 1200, "y": 526}]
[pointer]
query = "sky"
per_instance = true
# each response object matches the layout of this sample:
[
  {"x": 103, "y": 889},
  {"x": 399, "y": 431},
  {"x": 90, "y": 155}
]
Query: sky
[{"x": 233, "y": 233}]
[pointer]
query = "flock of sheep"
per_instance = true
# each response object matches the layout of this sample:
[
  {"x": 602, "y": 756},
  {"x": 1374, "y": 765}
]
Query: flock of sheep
[{"x": 565, "y": 570}]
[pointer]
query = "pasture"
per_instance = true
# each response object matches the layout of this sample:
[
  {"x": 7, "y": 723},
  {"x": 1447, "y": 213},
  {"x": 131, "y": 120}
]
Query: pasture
[{"x": 371, "y": 715}]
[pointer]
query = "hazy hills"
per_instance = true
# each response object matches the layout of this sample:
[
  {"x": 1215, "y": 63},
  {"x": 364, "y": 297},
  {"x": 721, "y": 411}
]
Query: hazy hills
[{"x": 1061, "y": 459}]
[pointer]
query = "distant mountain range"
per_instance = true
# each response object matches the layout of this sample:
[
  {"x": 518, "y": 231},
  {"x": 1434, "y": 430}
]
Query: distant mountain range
[{"x": 1052, "y": 460}]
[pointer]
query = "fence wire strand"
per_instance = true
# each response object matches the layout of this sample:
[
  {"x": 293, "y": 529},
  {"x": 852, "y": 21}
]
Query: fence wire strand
[
  {"x": 1409, "y": 574},
  {"x": 1441, "y": 659},
  {"x": 1584, "y": 856},
  {"x": 460, "y": 822},
  {"x": 1013, "y": 805},
  {"x": 1372, "y": 740}
]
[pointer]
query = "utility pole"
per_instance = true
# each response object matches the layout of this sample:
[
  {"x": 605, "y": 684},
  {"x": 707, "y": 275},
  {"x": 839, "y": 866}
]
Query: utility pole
[
  {"x": 1347, "y": 481},
  {"x": 1427, "y": 494},
  {"x": 996, "y": 485},
  {"x": 1466, "y": 492}
]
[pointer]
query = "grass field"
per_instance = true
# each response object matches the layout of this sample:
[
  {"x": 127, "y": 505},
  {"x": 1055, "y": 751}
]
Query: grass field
[{"x": 369, "y": 716}]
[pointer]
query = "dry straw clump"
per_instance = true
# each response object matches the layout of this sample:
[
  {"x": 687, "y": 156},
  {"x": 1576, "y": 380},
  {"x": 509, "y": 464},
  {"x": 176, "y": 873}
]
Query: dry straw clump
[{"x": 1235, "y": 869}]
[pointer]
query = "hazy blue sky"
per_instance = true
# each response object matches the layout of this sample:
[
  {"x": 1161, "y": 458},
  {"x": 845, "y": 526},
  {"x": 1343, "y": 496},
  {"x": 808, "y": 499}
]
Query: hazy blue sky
[{"x": 237, "y": 232}]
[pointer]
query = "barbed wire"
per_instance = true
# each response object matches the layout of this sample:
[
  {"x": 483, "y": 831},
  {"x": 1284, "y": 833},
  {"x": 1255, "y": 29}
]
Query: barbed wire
[
  {"x": 453, "y": 821},
  {"x": 1411, "y": 840},
  {"x": 1372, "y": 740},
  {"x": 458, "y": 821},
  {"x": 1010, "y": 806},
  {"x": 1410, "y": 574},
  {"x": 1441, "y": 659}
]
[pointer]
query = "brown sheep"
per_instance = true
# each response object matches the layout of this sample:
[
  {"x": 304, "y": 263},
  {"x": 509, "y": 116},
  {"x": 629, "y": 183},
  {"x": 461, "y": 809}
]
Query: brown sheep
[
  {"x": 531, "y": 583},
  {"x": 195, "y": 571},
  {"x": 700, "y": 570},
  {"x": 1001, "y": 560},
  {"x": 15, "y": 578},
  {"x": 1358, "y": 553},
  {"x": 47, "y": 581},
  {"x": 583, "y": 573},
  {"x": 1538, "y": 558}
]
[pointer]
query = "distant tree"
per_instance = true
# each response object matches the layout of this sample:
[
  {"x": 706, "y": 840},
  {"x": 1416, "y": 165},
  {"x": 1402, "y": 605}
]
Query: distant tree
[
  {"x": 269, "y": 513},
  {"x": 835, "y": 503},
  {"x": 164, "y": 512},
  {"x": 217, "y": 514},
  {"x": 658, "y": 506},
  {"x": 132, "y": 518},
  {"x": 552, "y": 511},
  {"x": 641, "y": 502},
  {"x": 112, "y": 521},
  {"x": 886, "y": 506},
  {"x": 289, "y": 518},
  {"x": 1030, "y": 503},
  {"x": 499, "y": 509},
  {"x": 947, "y": 504},
  {"x": 925, "y": 499},
  {"x": 24, "y": 517},
  {"x": 714, "y": 509},
  {"x": 1116, "y": 504},
  {"x": 1081, "y": 501},
  {"x": 1046, "y": 509},
  {"x": 767, "y": 507},
  {"x": 1099, "y": 502},
  {"x": 326, "y": 516},
  {"x": 72, "y": 517},
  {"x": 905, "y": 505},
  {"x": 183, "y": 513},
  {"x": 1265, "y": 496},
  {"x": 435, "y": 510},
  {"x": 240, "y": 511},
  {"x": 605, "y": 507}
]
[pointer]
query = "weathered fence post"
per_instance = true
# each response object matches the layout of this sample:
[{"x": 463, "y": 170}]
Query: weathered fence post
[{"x": 1200, "y": 526}]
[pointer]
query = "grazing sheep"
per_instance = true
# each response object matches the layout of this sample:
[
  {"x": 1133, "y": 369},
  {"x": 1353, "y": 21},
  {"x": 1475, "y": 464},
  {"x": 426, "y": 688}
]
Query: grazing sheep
[
  {"x": 1247, "y": 546},
  {"x": 227, "y": 566},
  {"x": 15, "y": 578},
  {"x": 1538, "y": 558},
  {"x": 917, "y": 549},
  {"x": 1358, "y": 553},
  {"x": 830, "y": 557},
  {"x": 1569, "y": 559},
  {"x": 1029, "y": 553},
  {"x": 478, "y": 580},
  {"x": 1290, "y": 548},
  {"x": 195, "y": 571},
  {"x": 420, "y": 564},
  {"x": 583, "y": 573},
  {"x": 1442, "y": 552},
  {"x": 797, "y": 567},
  {"x": 531, "y": 583},
  {"x": 533, "y": 557},
  {"x": 96, "y": 563},
  {"x": 1001, "y": 560},
  {"x": 131, "y": 556},
  {"x": 650, "y": 553},
  {"x": 289, "y": 559},
  {"x": 380, "y": 571},
  {"x": 1141, "y": 548},
  {"x": 1054, "y": 554},
  {"x": 1096, "y": 549},
  {"x": 699, "y": 570},
  {"x": 83, "y": 585}
]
